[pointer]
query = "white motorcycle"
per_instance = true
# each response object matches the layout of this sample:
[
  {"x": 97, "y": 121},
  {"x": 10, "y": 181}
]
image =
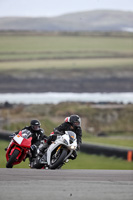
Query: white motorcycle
[{"x": 57, "y": 153}]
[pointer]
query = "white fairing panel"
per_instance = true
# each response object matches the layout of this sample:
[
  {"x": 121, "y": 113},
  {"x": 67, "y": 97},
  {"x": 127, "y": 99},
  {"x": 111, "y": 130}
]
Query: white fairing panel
[
  {"x": 61, "y": 140},
  {"x": 18, "y": 139},
  {"x": 50, "y": 150}
]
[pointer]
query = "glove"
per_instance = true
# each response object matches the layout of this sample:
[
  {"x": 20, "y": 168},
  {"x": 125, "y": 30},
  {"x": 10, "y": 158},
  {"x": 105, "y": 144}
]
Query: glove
[
  {"x": 51, "y": 138},
  {"x": 54, "y": 137},
  {"x": 12, "y": 135},
  {"x": 33, "y": 147},
  {"x": 44, "y": 137}
]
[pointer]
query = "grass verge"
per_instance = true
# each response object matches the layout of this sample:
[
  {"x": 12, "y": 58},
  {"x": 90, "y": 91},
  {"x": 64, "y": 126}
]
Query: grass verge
[
  {"x": 83, "y": 161},
  {"x": 112, "y": 141}
]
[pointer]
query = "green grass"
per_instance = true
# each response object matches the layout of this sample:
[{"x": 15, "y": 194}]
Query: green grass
[
  {"x": 3, "y": 145},
  {"x": 83, "y": 161},
  {"x": 67, "y": 64},
  {"x": 56, "y": 43},
  {"x": 115, "y": 141},
  {"x": 58, "y": 51}
]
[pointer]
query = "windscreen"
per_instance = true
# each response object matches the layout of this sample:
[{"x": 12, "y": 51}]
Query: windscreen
[
  {"x": 26, "y": 133},
  {"x": 72, "y": 136}
]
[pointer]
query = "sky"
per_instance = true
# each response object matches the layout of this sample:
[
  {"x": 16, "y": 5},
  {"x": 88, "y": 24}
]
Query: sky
[{"x": 50, "y": 8}]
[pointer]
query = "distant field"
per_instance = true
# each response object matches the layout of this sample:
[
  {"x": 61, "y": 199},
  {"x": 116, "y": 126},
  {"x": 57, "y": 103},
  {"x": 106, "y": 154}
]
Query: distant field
[
  {"x": 67, "y": 64},
  {"x": 95, "y": 62},
  {"x": 58, "y": 51},
  {"x": 56, "y": 43}
]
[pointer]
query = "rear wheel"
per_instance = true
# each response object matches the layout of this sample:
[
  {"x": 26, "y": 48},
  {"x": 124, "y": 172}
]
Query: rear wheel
[
  {"x": 59, "y": 161},
  {"x": 12, "y": 159}
]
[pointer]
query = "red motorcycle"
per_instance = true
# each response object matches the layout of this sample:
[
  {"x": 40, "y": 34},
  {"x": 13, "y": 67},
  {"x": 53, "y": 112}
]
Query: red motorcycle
[{"x": 18, "y": 148}]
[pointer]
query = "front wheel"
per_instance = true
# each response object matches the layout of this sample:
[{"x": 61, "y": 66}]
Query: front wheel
[
  {"x": 59, "y": 161},
  {"x": 12, "y": 159}
]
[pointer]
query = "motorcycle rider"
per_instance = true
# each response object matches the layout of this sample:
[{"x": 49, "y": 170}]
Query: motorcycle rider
[
  {"x": 37, "y": 136},
  {"x": 72, "y": 123}
]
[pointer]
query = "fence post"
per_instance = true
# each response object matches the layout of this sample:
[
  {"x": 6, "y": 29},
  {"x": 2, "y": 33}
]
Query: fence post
[{"x": 129, "y": 156}]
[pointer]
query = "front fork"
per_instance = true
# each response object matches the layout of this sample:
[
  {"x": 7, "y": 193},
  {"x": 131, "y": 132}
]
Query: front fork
[{"x": 68, "y": 155}]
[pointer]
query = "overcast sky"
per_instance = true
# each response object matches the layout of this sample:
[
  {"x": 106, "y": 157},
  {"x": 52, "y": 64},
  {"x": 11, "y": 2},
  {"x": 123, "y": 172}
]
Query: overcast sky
[{"x": 48, "y": 8}]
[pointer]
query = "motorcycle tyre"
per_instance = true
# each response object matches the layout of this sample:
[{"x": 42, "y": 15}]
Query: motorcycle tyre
[
  {"x": 59, "y": 162},
  {"x": 12, "y": 159}
]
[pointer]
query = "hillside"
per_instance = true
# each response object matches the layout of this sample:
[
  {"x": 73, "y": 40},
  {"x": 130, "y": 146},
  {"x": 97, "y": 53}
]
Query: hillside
[{"x": 99, "y": 20}]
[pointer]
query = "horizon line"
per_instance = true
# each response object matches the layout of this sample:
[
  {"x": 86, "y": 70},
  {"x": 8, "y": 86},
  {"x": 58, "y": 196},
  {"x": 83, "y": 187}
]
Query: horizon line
[{"x": 67, "y": 13}]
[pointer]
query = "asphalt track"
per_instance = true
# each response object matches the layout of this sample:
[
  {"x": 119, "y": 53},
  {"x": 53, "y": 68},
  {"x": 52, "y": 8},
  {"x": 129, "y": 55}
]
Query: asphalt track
[{"x": 32, "y": 184}]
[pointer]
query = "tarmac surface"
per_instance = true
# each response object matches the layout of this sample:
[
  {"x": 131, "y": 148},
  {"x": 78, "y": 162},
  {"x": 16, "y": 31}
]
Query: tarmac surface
[{"x": 32, "y": 184}]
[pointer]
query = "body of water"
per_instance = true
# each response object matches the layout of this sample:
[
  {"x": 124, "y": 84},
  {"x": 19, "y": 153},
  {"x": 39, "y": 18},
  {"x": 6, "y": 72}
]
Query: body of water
[{"x": 55, "y": 98}]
